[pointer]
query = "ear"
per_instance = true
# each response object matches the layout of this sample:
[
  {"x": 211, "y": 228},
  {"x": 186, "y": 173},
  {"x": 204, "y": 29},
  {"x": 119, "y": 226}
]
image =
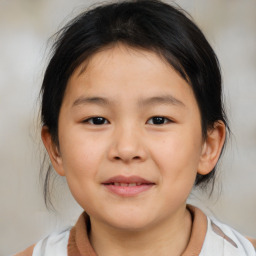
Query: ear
[
  {"x": 212, "y": 147},
  {"x": 53, "y": 151}
]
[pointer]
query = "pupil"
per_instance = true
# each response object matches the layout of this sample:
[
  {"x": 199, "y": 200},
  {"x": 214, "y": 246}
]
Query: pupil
[
  {"x": 98, "y": 120},
  {"x": 158, "y": 120}
]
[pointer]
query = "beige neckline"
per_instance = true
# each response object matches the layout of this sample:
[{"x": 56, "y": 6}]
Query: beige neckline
[{"x": 79, "y": 244}]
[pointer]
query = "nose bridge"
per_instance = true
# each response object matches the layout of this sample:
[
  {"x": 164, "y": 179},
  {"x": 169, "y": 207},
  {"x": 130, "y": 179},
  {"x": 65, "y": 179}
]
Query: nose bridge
[{"x": 127, "y": 143}]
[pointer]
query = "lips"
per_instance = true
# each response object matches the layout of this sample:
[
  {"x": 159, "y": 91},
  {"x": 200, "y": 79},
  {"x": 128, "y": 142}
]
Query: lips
[
  {"x": 127, "y": 180},
  {"x": 127, "y": 186}
]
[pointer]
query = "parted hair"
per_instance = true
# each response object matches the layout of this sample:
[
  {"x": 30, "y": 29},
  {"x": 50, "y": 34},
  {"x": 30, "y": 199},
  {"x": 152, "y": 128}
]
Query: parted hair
[{"x": 143, "y": 24}]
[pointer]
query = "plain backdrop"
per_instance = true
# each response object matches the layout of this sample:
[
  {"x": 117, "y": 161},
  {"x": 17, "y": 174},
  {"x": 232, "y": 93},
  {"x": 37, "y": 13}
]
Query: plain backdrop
[{"x": 25, "y": 26}]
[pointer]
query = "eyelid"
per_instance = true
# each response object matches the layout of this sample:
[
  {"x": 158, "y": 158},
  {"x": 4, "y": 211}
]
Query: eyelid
[
  {"x": 166, "y": 118},
  {"x": 87, "y": 120},
  {"x": 90, "y": 119}
]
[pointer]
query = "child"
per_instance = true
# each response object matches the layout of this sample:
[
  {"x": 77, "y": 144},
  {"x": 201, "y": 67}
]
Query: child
[{"x": 132, "y": 116}]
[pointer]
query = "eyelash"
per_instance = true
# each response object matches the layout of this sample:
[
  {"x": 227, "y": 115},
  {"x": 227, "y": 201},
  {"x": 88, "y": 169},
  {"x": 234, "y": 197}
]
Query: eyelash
[
  {"x": 103, "y": 120},
  {"x": 165, "y": 119},
  {"x": 91, "y": 119}
]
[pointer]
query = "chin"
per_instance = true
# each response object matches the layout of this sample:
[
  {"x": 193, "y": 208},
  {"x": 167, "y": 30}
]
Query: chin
[
  {"x": 130, "y": 221},
  {"x": 131, "y": 226}
]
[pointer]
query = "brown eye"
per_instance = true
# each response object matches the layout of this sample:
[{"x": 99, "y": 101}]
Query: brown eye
[
  {"x": 158, "y": 120},
  {"x": 96, "y": 120}
]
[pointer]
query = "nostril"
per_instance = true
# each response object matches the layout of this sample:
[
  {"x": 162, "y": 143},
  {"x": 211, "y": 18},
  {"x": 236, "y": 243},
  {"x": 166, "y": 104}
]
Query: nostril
[{"x": 133, "y": 158}]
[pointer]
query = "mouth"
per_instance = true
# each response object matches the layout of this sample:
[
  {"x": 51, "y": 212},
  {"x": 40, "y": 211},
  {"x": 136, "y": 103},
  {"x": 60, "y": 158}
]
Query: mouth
[{"x": 127, "y": 186}]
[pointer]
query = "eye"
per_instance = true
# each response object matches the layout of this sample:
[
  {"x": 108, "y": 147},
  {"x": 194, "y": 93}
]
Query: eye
[
  {"x": 97, "y": 120},
  {"x": 158, "y": 120}
]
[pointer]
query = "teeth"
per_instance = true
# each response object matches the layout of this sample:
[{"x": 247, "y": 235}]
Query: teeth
[{"x": 126, "y": 184}]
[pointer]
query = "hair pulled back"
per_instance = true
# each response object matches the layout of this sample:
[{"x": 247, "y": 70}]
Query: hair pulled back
[{"x": 145, "y": 24}]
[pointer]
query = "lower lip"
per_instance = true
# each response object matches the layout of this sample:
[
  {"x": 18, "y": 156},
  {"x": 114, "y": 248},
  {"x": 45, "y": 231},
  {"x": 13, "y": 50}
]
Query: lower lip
[{"x": 128, "y": 191}]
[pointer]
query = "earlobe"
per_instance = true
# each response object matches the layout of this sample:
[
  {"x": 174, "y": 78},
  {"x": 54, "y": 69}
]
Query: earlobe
[
  {"x": 53, "y": 150},
  {"x": 212, "y": 148}
]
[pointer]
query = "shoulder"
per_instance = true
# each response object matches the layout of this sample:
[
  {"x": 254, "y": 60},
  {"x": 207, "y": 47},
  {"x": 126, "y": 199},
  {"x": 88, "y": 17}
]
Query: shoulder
[
  {"x": 27, "y": 252},
  {"x": 252, "y": 240},
  {"x": 223, "y": 240},
  {"x": 54, "y": 244}
]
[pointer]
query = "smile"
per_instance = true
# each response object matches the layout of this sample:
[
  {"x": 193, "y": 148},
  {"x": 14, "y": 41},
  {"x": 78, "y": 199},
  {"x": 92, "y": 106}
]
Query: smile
[{"x": 127, "y": 186}]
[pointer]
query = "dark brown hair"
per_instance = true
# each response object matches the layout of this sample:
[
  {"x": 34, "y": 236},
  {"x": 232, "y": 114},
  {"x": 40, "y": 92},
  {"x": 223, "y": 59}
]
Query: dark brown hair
[{"x": 145, "y": 24}]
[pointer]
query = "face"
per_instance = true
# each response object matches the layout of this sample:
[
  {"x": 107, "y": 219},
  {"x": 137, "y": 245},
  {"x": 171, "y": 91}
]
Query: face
[{"x": 130, "y": 138}]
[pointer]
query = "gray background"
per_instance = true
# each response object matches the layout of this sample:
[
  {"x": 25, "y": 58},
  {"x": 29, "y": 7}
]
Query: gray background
[{"x": 25, "y": 26}]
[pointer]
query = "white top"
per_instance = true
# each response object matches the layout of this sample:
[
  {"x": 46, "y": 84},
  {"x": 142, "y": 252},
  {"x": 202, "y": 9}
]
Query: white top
[
  {"x": 220, "y": 240},
  {"x": 53, "y": 245},
  {"x": 233, "y": 243}
]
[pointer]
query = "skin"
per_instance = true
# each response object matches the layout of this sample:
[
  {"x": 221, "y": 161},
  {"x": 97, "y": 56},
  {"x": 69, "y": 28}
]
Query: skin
[
  {"x": 129, "y": 142},
  {"x": 253, "y": 241}
]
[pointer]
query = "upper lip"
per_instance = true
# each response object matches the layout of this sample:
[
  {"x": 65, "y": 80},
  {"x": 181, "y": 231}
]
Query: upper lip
[{"x": 127, "y": 179}]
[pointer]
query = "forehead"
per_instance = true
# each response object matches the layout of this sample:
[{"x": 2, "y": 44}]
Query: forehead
[
  {"x": 119, "y": 58},
  {"x": 124, "y": 72}
]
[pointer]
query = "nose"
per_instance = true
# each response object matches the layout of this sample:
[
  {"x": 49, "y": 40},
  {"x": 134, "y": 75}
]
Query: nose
[{"x": 127, "y": 145}]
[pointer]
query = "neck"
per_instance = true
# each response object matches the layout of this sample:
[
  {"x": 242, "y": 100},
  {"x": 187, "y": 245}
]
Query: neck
[{"x": 170, "y": 237}]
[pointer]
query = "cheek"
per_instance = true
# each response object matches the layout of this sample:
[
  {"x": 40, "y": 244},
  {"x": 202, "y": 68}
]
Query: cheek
[
  {"x": 81, "y": 156},
  {"x": 178, "y": 155}
]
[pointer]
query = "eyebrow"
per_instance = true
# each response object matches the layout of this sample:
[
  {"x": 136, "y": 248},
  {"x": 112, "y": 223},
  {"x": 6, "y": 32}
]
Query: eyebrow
[
  {"x": 163, "y": 100},
  {"x": 91, "y": 100}
]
